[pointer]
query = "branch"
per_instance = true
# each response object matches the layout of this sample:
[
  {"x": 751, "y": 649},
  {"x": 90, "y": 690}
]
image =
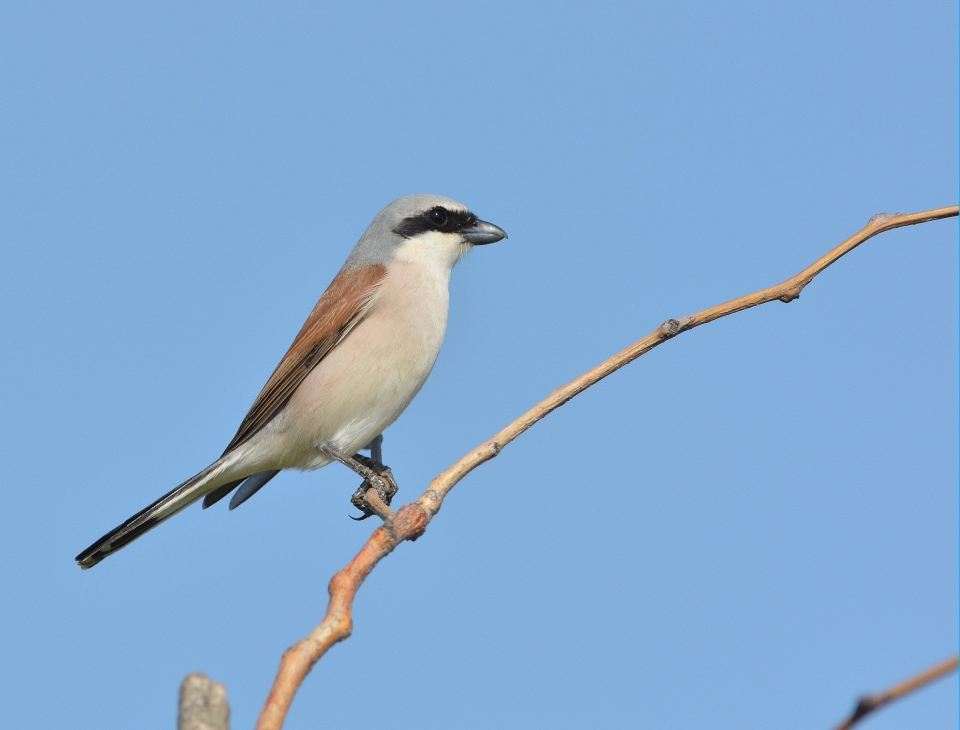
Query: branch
[
  {"x": 869, "y": 703},
  {"x": 411, "y": 520},
  {"x": 203, "y": 704}
]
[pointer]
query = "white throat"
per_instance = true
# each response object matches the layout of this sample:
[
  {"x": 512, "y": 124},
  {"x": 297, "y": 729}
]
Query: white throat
[{"x": 437, "y": 253}]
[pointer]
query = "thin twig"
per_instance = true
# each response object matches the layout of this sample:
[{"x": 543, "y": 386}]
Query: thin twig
[
  {"x": 869, "y": 703},
  {"x": 412, "y": 519},
  {"x": 380, "y": 508}
]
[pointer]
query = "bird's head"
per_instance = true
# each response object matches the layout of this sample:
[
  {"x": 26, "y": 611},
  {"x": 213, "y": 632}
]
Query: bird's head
[{"x": 425, "y": 229}]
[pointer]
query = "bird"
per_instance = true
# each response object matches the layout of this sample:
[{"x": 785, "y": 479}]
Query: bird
[{"x": 360, "y": 358}]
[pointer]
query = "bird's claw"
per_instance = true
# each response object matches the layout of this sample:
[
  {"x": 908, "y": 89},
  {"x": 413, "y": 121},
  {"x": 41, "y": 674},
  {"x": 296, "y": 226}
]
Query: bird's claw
[
  {"x": 363, "y": 507},
  {"x": 382, "y": 481}
]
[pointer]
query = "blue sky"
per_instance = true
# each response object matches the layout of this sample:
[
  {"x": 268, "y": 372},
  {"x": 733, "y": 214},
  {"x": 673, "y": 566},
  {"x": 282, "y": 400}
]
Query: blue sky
[{"x": 178, "y": 185}]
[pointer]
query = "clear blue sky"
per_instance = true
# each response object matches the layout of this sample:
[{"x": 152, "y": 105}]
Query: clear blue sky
[{"x": 178, "y": 185}]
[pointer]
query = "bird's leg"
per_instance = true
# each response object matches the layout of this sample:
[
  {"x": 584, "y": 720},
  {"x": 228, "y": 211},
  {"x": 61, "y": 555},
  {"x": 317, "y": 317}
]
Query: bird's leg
[
  {"x": 375, "y": 475},
  {"x": 376, "y": 449},
  {"x": 375, "y": 462}
]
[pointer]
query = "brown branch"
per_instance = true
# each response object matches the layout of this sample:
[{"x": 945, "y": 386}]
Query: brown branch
[
  {"x": 869, "y": 703},
  {"x": 411, "y": 521}
]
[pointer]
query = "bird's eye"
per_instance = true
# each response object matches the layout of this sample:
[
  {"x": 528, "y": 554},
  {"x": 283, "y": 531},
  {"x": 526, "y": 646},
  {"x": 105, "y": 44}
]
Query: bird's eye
[{"x": 437, "y": 216}]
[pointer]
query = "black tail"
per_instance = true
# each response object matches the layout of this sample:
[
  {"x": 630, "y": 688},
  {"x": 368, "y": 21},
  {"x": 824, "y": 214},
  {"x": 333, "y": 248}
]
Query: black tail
[{"x": 167, "y": 506}]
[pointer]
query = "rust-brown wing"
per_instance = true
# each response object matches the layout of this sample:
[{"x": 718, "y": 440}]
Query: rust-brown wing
[{"x": 345, "y": 303}]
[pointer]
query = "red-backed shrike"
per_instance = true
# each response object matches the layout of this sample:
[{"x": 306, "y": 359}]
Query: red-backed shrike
[{"x": 362, "y": 355}]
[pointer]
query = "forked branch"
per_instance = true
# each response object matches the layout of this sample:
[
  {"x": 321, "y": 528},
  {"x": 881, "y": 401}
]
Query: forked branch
[
  {"x": 412, "y": 519},
  {"x": 869, "y": 703}
]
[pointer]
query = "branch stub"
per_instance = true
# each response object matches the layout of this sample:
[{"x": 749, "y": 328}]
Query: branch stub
[{"x": 410, "y": 522}]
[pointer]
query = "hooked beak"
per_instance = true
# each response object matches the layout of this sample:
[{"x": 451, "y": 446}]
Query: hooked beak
[{"x": 483, "y": 233}]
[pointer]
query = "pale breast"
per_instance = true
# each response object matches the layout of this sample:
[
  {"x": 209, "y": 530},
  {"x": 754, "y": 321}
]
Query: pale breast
[{"x": 367, "y": 381}]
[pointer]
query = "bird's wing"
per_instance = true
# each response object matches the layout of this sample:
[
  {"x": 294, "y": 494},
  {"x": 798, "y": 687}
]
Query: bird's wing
[{"x": 343, "y": 305}]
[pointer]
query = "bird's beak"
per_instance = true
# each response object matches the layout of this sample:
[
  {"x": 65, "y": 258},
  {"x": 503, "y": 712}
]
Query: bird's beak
[{"x": 483, "y": 233}]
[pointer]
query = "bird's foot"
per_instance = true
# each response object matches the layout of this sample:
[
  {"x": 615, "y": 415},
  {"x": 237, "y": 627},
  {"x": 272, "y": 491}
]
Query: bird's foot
[
  {"x": 378, "y": 488},
  {"x": 380, "y": 479}
]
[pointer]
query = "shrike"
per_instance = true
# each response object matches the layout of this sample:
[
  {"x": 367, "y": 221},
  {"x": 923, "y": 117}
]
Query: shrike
[{"x": 360, "y": 358}]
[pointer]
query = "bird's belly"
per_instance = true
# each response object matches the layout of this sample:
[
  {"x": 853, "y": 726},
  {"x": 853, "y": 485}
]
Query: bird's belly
[{"x": 365, "y": 383}]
